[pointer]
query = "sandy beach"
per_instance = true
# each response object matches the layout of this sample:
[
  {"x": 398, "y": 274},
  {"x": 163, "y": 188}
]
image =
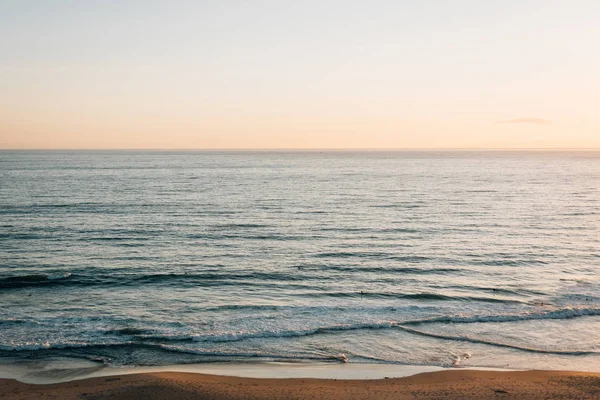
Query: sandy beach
[{"x": 451, "y": 384}]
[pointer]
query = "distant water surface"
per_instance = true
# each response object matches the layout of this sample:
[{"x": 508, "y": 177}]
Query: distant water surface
[{"x": 427, "y": 258}]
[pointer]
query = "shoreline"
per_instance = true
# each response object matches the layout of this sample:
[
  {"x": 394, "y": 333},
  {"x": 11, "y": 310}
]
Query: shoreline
[
  {"x": 447, "y": 384},
  {"x": 61, "y": 371}
]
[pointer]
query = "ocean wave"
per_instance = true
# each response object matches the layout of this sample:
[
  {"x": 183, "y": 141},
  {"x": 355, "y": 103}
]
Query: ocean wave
[
  {"x": 352, "y": 254},
  {"x": 498, "y": 344},
  {"x": 256, "y": 354},
  {"x": 561, "y": 313},
  {"x": 410, "y": 296},
  {"x": 20, "y": 281},
  {"x": 290, "y": 279},
  {"x": 392, "y": 270},
  {"x": 16, "y": 321},
  {"x": 505, "y": 262},
  {"x": 368, "y": 230},
  {"x": 258, "y": 236},
  {"x": 184, "y": 279},
  {"x": 240, "y": 336},
  {"x": 131, "y": 336},
  {"x": 126, "y": 331},
  {"x": 21, "y": 236},
  {"x": 117, "y": 354},
  {"x": 36, "y": 346},
  {"x": 241, "y": 225},
  {"x": 372, "y": 255},
  {"x": 404, "y": 325}
]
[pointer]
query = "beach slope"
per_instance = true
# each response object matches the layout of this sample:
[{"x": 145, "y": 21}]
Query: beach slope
[{"x": 452, "y": 384}]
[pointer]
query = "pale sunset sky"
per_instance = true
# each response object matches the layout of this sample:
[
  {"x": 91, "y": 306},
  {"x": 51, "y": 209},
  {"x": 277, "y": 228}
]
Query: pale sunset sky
[{"x": 299, "y": 74}]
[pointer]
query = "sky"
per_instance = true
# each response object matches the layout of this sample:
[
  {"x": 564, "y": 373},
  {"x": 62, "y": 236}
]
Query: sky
[{"x": 80, "y": 74}]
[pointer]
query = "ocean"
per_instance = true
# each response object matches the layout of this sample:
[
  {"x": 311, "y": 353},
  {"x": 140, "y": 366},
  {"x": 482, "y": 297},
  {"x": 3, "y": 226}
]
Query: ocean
[{"x": 453, "y": 259}]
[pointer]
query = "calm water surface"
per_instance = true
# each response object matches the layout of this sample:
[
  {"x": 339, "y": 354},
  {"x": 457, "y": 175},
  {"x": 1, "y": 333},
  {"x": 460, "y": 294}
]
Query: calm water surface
[{"x": 434, "y": 258}]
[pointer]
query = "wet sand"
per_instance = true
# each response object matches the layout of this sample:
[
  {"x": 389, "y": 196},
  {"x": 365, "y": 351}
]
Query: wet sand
[{"x": 451, "y": 384}]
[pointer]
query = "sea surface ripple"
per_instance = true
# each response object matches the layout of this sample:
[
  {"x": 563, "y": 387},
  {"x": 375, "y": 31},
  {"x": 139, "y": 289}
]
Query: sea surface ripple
[{"x": 432, "y": 258}]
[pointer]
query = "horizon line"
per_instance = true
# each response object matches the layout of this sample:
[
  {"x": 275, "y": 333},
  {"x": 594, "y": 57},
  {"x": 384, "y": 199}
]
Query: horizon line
[{"x": 310, "y": 149}]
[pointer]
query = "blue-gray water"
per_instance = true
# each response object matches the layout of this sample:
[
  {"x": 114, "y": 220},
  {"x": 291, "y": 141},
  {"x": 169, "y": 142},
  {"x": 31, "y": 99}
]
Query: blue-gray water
[{"x": 435, "y": 258}]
